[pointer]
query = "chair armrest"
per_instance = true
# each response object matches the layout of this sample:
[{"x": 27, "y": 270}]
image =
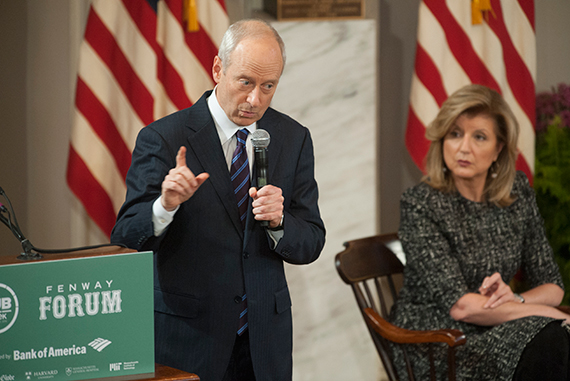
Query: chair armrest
[{"x": 451, "y": 337}]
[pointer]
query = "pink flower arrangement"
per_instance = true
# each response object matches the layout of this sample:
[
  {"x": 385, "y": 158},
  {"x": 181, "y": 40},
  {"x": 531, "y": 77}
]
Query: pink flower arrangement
[{"x": 549, "y": 105}]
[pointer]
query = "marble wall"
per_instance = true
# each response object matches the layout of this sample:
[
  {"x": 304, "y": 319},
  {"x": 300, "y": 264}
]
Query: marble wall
[{"x": 330, "y": 86}]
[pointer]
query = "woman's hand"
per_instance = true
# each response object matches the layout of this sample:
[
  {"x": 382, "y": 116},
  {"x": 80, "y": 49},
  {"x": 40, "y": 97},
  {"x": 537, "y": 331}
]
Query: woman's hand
[
  {"x": 490, "y": 306},
  {"x": 498, "y": 291}
]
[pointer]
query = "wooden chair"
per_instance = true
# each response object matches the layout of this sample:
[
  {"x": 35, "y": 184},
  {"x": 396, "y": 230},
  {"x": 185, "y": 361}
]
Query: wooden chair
[
  {"x": 369, "y": 267},
  {"x": 565, "y": 309}
]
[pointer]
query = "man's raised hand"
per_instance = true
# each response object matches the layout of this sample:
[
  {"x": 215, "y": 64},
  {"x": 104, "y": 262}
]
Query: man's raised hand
[{"x": 180, "y": 183}]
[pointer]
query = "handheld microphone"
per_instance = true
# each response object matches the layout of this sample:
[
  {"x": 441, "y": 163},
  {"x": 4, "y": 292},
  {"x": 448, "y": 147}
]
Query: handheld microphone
[{"x": 260, "y": 140}]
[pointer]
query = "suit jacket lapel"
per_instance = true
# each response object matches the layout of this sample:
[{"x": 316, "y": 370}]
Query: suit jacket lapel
[
  {"x": 275, "y": 130},
  {"x": 205, "y": 142}
]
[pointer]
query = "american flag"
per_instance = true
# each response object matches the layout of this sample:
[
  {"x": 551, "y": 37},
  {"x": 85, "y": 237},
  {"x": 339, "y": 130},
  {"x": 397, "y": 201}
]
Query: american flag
[
  {"x": 488, "y": 42},
  {"x": 139, "y": 60}
]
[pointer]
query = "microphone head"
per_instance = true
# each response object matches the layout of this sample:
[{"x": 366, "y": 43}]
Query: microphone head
[{"x": 260, "y": 138}]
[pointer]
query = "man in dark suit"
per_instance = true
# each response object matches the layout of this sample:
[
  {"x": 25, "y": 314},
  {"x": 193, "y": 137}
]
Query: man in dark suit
[{"x": 209, "y": 266}]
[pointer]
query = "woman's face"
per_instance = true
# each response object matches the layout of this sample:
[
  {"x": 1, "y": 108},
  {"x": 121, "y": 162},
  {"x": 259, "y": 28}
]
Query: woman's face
[{"x": 470, "y": 147}]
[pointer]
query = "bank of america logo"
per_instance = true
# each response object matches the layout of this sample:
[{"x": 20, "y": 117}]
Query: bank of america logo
[{"x": 99, "y": 344}]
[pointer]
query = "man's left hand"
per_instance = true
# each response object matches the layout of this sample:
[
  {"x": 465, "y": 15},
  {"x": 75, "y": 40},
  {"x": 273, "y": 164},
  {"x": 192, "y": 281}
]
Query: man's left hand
[{"x": 267, "y": 204}]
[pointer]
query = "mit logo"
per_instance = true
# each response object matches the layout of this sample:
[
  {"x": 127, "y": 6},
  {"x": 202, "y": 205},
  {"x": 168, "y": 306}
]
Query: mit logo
[
  {"x": 99, "y": 344},
  {"x": 115, "y": 367}
]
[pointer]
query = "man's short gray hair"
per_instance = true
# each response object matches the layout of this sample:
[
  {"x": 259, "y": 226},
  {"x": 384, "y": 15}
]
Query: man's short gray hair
[{"x": 240, "y": 30}]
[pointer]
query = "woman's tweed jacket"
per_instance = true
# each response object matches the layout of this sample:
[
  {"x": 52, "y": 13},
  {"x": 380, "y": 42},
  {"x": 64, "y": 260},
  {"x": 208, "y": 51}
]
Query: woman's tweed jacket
[{"x": 451, "y": 245}]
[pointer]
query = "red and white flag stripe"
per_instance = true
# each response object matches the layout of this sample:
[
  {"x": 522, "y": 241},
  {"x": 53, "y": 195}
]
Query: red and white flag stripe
[
  {"x": 452, "y": 52},
  {"x": 137, "y": 63}
]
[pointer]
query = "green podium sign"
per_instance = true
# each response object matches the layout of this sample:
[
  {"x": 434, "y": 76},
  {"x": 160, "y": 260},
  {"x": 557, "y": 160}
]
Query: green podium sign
[{"x": 76, "y": 319}]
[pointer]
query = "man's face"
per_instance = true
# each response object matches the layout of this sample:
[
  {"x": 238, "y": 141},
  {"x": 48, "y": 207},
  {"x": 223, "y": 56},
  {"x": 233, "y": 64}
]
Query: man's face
[{"x": 247, "y": 85}]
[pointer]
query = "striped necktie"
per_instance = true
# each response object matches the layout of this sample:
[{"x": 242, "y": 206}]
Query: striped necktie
[{"x": 239, "y": 174}]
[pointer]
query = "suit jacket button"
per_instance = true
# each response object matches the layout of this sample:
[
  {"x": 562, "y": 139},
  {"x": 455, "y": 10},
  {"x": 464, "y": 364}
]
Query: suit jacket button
[
  {"x": 237, "y": 299},
  {"x": 245, "y": 255}
]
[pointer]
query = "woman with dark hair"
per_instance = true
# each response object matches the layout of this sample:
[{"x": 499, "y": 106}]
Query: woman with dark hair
[{"x": 467, "y": 229}]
